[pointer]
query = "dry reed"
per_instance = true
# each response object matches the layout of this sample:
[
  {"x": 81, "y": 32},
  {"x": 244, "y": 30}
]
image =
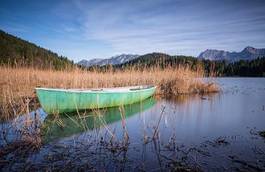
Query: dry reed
[{"x": 17, "y": 84}]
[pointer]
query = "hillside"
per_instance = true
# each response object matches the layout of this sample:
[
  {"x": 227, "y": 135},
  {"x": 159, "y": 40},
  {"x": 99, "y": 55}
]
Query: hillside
[
  {"x": 162, "y": 60},
  {"x": 17, "y": 52},
  {"x": 248, "y": 53}
]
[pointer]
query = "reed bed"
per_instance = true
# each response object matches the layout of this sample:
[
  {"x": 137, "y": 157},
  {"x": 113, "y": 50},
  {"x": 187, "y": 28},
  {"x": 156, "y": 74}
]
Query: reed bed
[{"x": 17, "y": 84}]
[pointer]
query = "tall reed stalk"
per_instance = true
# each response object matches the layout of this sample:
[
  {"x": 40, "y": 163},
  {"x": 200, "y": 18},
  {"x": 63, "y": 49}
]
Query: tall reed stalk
[{"x": 17, "y": 84}]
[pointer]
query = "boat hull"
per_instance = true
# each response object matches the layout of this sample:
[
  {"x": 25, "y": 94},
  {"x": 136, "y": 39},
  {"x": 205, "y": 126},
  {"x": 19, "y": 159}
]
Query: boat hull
[{"x": 63, "y": 100}]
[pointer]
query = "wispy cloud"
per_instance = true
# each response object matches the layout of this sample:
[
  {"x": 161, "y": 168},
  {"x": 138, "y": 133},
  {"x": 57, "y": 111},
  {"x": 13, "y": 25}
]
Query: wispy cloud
[{"x": 174, "y": 27}]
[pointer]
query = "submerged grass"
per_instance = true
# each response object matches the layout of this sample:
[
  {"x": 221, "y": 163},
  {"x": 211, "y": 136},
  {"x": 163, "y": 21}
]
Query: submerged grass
[
  {"x": 262, "y": 133},
  {"x": 17, "y": 84}
]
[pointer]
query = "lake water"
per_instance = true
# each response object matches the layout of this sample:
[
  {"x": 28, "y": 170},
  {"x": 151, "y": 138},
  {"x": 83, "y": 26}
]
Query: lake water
[{"x": 202, "y": 132}]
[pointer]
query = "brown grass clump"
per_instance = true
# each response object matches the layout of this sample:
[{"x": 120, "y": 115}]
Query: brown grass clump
[{"x": 17, "y": 84}]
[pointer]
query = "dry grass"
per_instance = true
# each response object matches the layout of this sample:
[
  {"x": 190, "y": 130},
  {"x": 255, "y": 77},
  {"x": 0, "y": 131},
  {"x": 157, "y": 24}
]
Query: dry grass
[{"x": 17, "y": 84}]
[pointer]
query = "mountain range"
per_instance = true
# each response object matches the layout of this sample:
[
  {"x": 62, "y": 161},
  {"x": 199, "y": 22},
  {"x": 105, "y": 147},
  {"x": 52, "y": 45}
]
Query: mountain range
[
  {"x": 15, "y": 51},
  {"x": 115, "y": 60},
  {"x": 248, "y": 53}
]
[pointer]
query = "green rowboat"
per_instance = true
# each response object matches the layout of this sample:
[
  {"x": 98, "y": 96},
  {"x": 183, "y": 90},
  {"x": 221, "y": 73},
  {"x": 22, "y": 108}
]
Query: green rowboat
[{"x": 55, "y": 101}]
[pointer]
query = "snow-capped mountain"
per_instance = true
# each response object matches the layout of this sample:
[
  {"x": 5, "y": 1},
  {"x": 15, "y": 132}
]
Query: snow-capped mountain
[
  {"x": 119, "y": 59},
  {"x": 248, "y": 53},
  {"x": 89, "y": 63}
]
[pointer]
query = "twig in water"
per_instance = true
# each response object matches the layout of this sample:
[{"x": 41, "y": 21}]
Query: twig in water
[
  {"x": 156, "y": 129},
  {"x": 123, "y": 122}
]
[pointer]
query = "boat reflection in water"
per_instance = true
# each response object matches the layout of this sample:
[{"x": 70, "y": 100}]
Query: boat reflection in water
[{"x": 60, "y": 126}]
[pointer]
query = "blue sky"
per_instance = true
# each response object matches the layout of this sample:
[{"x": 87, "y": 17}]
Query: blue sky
[{"x": 89, "y": 29}]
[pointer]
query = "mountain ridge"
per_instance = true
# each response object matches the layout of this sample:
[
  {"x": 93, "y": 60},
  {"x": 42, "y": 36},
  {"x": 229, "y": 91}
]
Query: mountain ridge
[
  {"x": 248, "y": 53},
  {"x": 114, "y": 60}
]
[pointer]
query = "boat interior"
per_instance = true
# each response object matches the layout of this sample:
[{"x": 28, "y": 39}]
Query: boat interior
[{"x": 114, "y": 89}]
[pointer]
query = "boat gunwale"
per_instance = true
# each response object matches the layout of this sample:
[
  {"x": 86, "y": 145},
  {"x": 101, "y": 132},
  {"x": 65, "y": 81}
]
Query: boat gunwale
[{"x": 97, "y": 90}]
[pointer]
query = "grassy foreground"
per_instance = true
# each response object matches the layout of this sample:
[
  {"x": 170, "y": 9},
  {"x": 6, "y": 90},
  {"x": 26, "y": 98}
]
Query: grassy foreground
[{"x": 18, "y": 95}]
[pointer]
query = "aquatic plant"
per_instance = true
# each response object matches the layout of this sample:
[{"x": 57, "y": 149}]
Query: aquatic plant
[{"x": 262, "y": 134}]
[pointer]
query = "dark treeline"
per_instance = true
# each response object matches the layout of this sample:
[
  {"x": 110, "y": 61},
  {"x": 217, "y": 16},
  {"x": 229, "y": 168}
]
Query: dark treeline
[
  {"x": 251, "y": 68},
  {"x": 17, "y": 52},
  {"x": 254, "y": 68},
  {"x": 246, "y": 68},
  {"x": 161, "y": 60}
]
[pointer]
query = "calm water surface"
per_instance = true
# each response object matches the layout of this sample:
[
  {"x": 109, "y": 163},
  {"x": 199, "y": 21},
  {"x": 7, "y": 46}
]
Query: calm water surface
[{"x": 207, "y": 132}]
